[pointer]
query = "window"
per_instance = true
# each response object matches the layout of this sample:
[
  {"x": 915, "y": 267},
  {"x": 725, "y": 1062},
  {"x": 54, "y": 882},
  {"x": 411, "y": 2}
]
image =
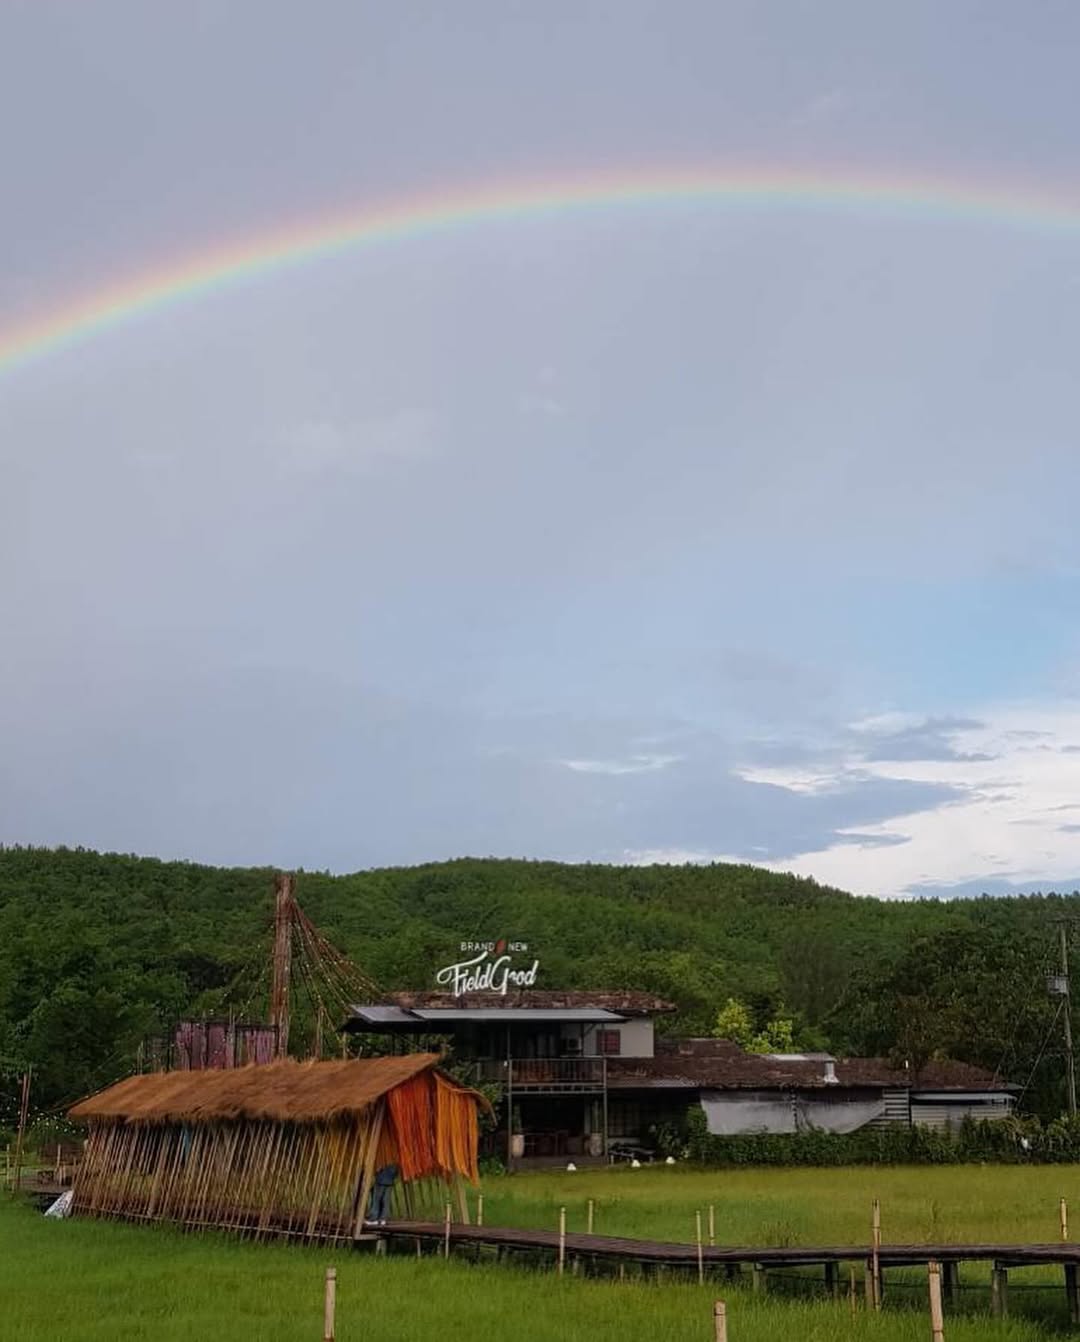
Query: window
[
  {"x": 608, "y": 1042},
  {"x": 624, "y": 1118}
]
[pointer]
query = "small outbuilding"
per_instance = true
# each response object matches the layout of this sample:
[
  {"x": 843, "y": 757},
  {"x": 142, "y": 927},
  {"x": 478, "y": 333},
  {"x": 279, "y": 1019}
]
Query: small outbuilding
[{"x": 286, "y": 1148}]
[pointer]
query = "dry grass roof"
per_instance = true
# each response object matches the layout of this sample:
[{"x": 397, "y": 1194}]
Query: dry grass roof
[{"x": 285, "y": 1091}]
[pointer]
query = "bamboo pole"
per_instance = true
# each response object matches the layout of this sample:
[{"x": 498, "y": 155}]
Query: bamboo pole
[
  {"x": 937, "y": 1317},
  {"x": 876, "y": 1259},
  {"x": 24, "y": 1109},
  {"x": 1063, "y": 1217},
  {"x": 562, "y": 1239},
  {"x": 446, "y": 1233},
  {"x": 712, "y": 1226},
  {"x": 590, "y": 1216},
  {"x": 700, "y": 1255},
  {"x": 374, "y": 1132},
  {"x": 479, "y": 1209},
  {"x": 329, "y": 1304},
  {"x": 719, "y": 1311}
]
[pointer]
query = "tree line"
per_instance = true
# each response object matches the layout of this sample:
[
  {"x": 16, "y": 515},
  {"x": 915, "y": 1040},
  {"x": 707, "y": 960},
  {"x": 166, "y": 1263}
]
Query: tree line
[{"x": 97, "y": 951}]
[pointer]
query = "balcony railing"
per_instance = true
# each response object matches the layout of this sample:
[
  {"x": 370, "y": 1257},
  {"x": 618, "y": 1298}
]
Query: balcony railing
[{"x": 544, "y": 1074}]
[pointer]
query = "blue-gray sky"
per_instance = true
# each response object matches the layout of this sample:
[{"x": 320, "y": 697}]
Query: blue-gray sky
[{"x": 635, "y": 535}]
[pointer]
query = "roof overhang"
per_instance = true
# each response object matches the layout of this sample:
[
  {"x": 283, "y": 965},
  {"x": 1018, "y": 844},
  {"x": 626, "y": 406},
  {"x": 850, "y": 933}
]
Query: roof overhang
[{"x": 435, "y": 1020}]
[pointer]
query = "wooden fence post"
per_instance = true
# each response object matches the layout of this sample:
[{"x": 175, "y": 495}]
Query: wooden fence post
[
  {"x": 937, "y": 1318},
  {"x": 712, "y": 1227},
  {"x": 1063, "y": 1217},
  {"x": 446, "y": 1233},
  {"x": 875, "y": 1271},
  {"x": 1072, "y": 1293},
  {"x": 700, "y": 1256},
  {"x": 562, "y": 1239},
  {"x": 329, "y": 1304},
  {"x": 589, "y": 1217},
  {"x": 480, "y": 1209},
  {"x": 999, "y": 1283},
  {"x": 852, "y": 1293},
  {"x": 719, "y": 1312}
]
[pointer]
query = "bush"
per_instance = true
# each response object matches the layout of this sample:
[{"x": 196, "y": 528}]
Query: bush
[{"x": 971, "y": 1142}]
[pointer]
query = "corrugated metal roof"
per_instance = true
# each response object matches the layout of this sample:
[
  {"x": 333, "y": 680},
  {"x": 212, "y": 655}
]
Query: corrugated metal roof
[
  {"x": 505, "y": 1015},
  {"x": 384, "y": 1015}
]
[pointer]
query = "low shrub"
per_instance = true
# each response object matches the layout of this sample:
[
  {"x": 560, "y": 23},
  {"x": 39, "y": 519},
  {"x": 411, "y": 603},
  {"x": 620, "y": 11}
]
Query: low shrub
[{"x": 1006, "y": 1141}]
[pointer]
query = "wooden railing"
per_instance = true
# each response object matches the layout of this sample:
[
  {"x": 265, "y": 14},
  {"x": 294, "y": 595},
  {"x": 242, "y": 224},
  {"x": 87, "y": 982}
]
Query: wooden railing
[{"x": 544, "y": 1074}]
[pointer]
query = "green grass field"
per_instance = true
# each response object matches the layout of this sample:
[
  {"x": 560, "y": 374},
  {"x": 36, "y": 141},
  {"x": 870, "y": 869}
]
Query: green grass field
[
  {"x": 97, "y": 1281},
  {"x": 948, "y": 1203}
]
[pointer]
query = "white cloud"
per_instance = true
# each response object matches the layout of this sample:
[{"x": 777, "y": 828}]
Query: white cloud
[
  {"x": 634, "y": 764},
  {"x": 318, "y": 447},
  {"x": 1018, "y": 771}
]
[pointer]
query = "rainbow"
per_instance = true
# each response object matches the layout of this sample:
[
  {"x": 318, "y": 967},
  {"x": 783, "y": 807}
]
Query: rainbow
[{"x": 222, "y": 266}]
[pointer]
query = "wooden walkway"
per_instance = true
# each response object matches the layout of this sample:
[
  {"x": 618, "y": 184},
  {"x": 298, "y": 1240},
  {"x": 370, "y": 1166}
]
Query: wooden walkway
[{"x": 733, "y": 1259}]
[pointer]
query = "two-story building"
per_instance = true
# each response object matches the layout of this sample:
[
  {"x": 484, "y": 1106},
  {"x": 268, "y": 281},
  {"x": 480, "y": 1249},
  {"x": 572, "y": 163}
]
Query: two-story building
[{"x": 581, "y": 1072}]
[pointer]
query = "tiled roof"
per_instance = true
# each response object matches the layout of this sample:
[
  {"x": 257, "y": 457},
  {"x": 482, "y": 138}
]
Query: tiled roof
[
  {"x": 718, "y": 1064},
  {"x": 626, "y": 1003}
]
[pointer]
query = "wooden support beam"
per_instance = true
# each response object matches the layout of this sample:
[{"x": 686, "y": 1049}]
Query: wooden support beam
[
  {"x": 832, "y": 1280},
  {"x": 1072, "y": 1293},
  {"x": 999, "y": 1288},
  {"x": 759, "y": 1278}
]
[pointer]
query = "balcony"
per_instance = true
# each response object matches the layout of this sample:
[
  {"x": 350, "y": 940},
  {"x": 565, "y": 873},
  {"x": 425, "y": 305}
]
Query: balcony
[{"x": 545, "y": 1076}]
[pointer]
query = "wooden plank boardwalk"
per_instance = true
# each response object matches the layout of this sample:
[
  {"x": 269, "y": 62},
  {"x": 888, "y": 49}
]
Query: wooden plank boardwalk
[
  {"x": 758, "y": 1258},
  {"x": 801, "y": 1255}
]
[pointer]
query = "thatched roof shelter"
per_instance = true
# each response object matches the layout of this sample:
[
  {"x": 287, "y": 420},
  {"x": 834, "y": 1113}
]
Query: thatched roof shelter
[{"x": 286, "y": 1147}]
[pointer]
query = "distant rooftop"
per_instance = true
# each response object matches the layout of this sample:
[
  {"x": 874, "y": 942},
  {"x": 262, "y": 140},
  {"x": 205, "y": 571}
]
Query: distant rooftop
[{"x": 428, "y": 1012}]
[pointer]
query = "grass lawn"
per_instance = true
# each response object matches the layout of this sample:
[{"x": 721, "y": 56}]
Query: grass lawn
[
  {"x": 919, "y": 1204},
  {"x": 97, "y": 1281}
]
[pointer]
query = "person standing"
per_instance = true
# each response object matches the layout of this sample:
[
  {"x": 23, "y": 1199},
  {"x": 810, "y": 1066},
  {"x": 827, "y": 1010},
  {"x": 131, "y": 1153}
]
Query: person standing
[{"x": 381, "y": 1190}]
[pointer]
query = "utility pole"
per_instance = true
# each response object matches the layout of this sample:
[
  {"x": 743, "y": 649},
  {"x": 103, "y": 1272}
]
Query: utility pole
[
  {"x": 279, "y": 992},
  {"x": 1070, "y": 1061}
]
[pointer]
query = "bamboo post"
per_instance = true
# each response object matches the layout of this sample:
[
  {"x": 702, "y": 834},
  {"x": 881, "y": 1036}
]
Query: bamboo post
[
  {"x": 480, "y": 1209},
  {"x": 589, "y": 1217},
  {"x": 446, "y": 1233},
  {"x": 329, "y": 1304},
  {"x": 719, "y": 1312},
  {"x": 937, "y": 1317},
  {"x": 24, "y": 1108},
  {"x": 700, "y": 1257},
  {"x": 562, "y": 1239},
  {"x": 999, "y": 1282},
  {"x": 875, "y": 1271},
  {"x": 1063, "y": 1217},
  {"x": 712, "y": 1227}
]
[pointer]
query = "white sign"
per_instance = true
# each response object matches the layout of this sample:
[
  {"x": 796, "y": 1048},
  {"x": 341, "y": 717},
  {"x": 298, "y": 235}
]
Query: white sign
[{"x": 489, "y": 969}]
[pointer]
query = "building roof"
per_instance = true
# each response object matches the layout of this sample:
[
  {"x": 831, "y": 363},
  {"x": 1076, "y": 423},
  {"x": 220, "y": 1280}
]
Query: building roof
[
  {"x": 719, "y": 1064},
  {"x": 430, "y": 1012},
  {"x": 626, "y": 1003},
  {"x": 284, "y": 1091}
]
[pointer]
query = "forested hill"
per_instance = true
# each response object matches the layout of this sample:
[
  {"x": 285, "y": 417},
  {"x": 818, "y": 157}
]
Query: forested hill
[{"x": 98, "y": 950}]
